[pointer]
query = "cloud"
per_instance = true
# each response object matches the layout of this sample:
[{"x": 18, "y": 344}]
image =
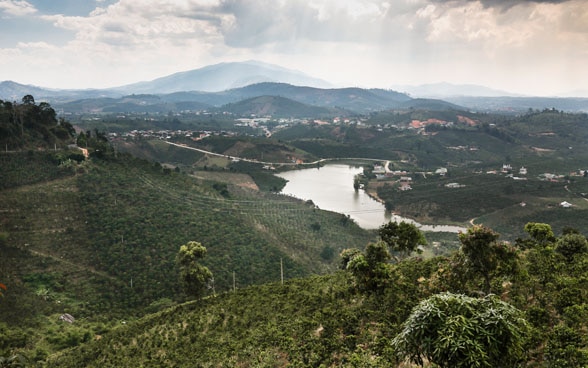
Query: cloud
[
  {"x": 16, "y": 8},
  {"x": 358, "y": 42}
]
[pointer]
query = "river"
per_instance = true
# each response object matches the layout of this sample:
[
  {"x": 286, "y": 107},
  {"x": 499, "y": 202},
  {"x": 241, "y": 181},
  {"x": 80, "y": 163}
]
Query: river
[{"x": 331, "y": 188}]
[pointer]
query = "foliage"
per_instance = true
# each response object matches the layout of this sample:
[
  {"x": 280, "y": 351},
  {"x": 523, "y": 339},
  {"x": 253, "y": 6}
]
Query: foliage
[
  {"x": 453, "y": 330},
  {"x": 402, "y": 237},
  {"x": 371, "y": 271},
  {"x": 484, "y": 253},
  {"x": 28, "y": 125},
  {"x": 15, "y": 360},
  {"x": 570, "y": 245},
  {"x": 193, "y": 275},
  {"x": 540, "y": 233}
]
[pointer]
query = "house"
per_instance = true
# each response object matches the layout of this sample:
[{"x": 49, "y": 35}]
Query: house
[
  {"x": 523, "y": 170},
  {"x": 379, "y": 169},
  {"x": 565, "y": 204},
  {"x": 441, "y": 171}
]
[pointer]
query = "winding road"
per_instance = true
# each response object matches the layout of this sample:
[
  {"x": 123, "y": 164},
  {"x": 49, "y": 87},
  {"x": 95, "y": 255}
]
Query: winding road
[{"x": 279, "y": 163}]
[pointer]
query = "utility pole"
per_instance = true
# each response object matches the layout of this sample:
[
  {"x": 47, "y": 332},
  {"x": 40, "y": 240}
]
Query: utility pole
[
  {"x": 234, "y": 284},
  {"x": 282, "y": 271}
]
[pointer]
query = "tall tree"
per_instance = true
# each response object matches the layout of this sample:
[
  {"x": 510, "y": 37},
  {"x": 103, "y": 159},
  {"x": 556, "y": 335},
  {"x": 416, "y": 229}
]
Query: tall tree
[
  {"x": 193, "y": 275},
  {"x": 402, "y": 237},
  {"x": 371, "y": 270},
  {"x": 484, "y": 253},
  {"x": 540, "y": 232}
]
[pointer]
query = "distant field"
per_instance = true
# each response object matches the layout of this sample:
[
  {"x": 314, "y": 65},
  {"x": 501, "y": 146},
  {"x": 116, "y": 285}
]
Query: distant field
[{"x": 241, "y": 180}]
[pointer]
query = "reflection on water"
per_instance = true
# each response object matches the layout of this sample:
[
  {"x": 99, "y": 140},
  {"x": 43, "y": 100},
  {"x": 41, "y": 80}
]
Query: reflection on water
[{"x": 331, "y": 188}]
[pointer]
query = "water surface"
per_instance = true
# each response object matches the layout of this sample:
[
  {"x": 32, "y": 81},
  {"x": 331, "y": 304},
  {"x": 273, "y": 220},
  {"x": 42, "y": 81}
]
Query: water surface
[{"x": 331, "y": 188}]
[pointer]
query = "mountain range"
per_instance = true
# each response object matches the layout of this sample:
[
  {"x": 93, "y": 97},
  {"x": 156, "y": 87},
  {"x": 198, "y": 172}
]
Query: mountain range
[
  {"x": 221, "y": 77},
  {"x": 228, "y": 83}
]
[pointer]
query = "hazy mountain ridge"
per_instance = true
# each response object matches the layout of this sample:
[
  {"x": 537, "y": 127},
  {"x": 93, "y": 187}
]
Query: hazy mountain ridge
[
  {"x": 224, "y": 83},
  {"x": 221, "y": 77},
  {"x": 354, "y": 100},
  {"x": 443, "y": 90}
]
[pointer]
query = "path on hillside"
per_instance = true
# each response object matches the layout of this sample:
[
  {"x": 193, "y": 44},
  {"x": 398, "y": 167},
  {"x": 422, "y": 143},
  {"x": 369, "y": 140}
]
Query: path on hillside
[
  {"x": 279, "y": 163},
  {"x": 69, "y": 263},
  {"x": 569, "y": 191}
]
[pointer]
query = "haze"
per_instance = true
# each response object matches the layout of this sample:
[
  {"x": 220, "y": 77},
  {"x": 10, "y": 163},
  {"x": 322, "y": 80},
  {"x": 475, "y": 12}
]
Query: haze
[{"x": 528, "y": 47}]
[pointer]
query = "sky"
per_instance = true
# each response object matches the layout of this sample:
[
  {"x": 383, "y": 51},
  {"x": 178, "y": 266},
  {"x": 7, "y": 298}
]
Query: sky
[{"x": 530, "y": 47}]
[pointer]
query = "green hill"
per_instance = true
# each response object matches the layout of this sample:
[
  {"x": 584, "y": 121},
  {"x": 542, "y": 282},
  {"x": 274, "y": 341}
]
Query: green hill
[
  {"x": 338, "y": 320},
  {"x": 308, "y": 322},
  {"x": 277, "y": 107}
]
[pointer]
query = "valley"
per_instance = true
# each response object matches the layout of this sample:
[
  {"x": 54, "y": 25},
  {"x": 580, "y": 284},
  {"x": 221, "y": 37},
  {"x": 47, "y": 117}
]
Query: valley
[{"x": 97, "y": 237}]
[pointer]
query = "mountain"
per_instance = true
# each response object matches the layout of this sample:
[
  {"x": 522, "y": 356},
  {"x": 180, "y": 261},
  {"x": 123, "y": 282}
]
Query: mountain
[
  {"x": 129, "y": 104},
  {"x": 356, "y": 100},
  {"x": 443, "y": 90},
  {"x": 277, "y": 106},
  {"x": 429, "y": 104},
  {"x": 12, "y": 91},
  {"x": 517, "y": 105},
  {"x": 223, "y": 76}
]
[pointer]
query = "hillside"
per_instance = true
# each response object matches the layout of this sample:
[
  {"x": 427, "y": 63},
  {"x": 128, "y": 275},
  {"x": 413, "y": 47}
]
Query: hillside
[
  {"x": 338, "y": 320},
  {"x": 547, "y": 145},
  {"x": 278, "y": 107},
  {"x": 98, "y": 239}
]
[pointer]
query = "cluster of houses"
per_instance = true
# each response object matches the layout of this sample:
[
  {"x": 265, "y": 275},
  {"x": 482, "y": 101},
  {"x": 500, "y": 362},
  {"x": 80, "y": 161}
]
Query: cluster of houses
[{"x": 168, "y": 134}]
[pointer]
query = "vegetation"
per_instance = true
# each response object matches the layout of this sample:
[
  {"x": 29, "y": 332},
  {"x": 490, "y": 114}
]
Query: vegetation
[
  {"x": 453, "y": 330},
  {"x": 28, "y": 125},
  {"x": 194, "y": 276},
  {"x": 402, "y": 237},
  {"x": 96, "y": 239},
  {"x": 376, "y": 314}
]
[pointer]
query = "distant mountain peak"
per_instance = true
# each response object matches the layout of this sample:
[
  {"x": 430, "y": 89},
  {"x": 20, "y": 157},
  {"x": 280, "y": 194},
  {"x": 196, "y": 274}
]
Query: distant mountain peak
[{"x": 223, "y": 76}]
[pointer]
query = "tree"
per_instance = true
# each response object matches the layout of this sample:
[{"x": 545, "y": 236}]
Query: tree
[
  {"x": 454, "y": 330},
  {"x": 571, "y": 244},
  {"x": 402, "y": 237},
  {"x": 347, "y": 255},
  {"x": 540, "y": 232},
  {"x": 484, "y": 253},
  {"x": 371, "y": 270},
  {"x": 28, "y": 100},
  {"x": 193, "y": 275}
]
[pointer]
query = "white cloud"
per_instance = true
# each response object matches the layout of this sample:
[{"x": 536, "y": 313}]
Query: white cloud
[
  {"x": 16, "y": 7},
  {"x": 358, "y": 42}
]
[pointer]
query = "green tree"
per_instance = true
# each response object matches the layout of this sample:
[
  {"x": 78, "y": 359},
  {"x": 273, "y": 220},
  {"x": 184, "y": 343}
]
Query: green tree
[
  {"x": 402, "y": 237},
  {"x": 540, "y": 232},
  {"x": 347, "y": 255},
  {"x": 484, "y": 254},
  {"x": 571, "y": 244},
  {"x": 371, "y": 270},
  {"x": 454, "y": 330},
  {"x": 193, "y": 275}
]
